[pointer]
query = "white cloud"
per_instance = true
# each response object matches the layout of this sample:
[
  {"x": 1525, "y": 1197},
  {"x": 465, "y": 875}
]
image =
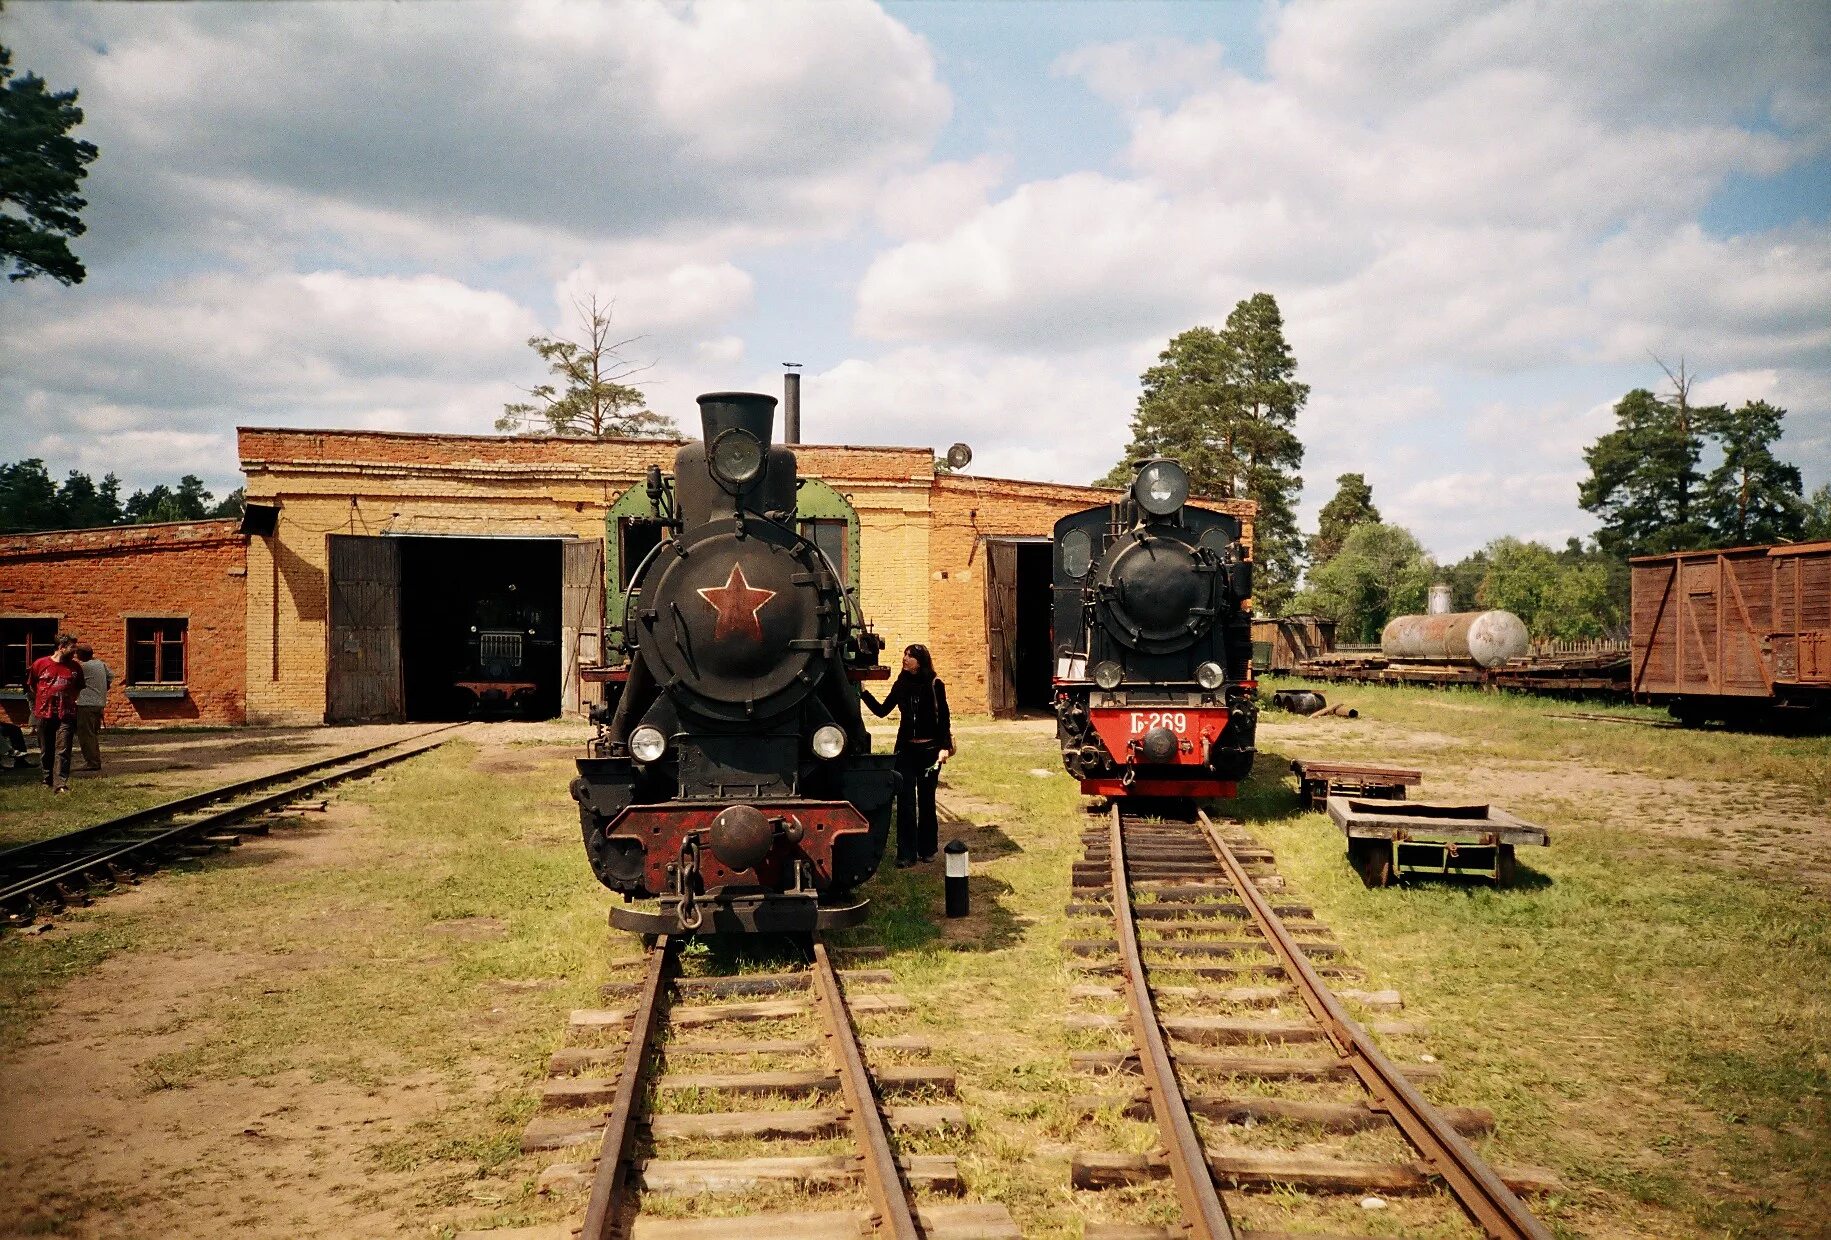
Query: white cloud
[
  {"x": 931, "y": 200},
  {"x": 1024, "y": 417},
  {"x": 1135, "y": 71},
  {"x": 574, "y": 121}
]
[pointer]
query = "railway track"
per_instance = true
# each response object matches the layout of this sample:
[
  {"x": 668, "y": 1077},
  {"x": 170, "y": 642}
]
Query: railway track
[
  {"x": 46, "y": 876},
  {"x": 1254, "y": 1073},
  {"x": 705, "y": 1095}
]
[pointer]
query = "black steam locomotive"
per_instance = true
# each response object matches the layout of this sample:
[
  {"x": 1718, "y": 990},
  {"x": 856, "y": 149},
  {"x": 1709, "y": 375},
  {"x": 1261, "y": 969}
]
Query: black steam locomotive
[
  {"x": 1153, "y": 644},
  {"x": 734, "y": 782},
  {"x": 510, "y": 637}
]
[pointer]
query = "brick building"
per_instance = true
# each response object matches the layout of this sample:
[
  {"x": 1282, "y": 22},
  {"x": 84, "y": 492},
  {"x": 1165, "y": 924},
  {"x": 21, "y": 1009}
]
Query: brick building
[
  {"x": 361, "y": 545},
  {"x": 162, "y": 605}
]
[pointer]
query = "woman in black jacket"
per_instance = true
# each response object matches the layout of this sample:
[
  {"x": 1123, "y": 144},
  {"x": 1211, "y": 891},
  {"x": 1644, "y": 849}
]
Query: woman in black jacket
[{"x": 924, "y": 740}]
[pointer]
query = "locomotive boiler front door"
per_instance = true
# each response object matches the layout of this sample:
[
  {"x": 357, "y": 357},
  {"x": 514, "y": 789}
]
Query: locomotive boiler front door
[{"x": 363, "y": 670}]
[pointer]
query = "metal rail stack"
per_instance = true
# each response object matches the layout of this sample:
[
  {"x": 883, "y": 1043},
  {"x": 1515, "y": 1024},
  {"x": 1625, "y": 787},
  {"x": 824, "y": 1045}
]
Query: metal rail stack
[
  {"x": 43, "y": 877},
  {"x": 804, "y": 1016},
  {"x": 1190, "y": 926}
]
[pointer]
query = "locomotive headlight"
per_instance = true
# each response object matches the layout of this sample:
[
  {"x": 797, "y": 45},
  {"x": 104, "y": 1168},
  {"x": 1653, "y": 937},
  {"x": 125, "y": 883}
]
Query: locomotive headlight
[
  {"x": 647, "y": 743},
  {"x": 829, "y": 741},
  {"x": 736, "y": 457},
  {"x": 1108, "y": 674},
  {"x": 1161, "y": 488},
  {"x": 1209, "y": 675}
]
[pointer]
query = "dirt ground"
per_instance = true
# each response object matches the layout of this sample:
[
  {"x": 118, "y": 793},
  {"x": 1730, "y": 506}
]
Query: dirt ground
[
  {"x": 1760, "y": 828},
  {"x": 95, "y": 1141},
  {"x": 180, "y": 758}
]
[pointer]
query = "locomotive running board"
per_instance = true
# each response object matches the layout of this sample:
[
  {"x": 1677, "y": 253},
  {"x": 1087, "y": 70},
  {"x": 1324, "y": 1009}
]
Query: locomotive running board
[{"x": 751, "y": 914}]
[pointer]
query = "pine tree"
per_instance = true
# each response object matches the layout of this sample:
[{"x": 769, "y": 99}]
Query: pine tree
[
  {"x": 589, "y": 398},
  {"x": 1642, "y": 475},
  {"x": 1352, "y": 505},
  {"x": 41, "y": 166},
  {"x": 1225, "y": 404},
  {"x": 1752, "y": 497}
]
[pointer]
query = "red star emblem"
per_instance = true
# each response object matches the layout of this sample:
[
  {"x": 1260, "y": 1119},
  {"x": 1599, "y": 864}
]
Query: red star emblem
[{"x": 737, "y": 606}]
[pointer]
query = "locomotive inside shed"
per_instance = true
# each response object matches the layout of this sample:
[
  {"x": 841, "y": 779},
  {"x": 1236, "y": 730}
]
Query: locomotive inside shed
[{"x": 480, "y": 628}]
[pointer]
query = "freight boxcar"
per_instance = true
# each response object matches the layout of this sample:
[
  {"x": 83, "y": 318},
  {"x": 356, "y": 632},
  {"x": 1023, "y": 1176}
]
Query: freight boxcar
[{"x": 1736, "y": 635}]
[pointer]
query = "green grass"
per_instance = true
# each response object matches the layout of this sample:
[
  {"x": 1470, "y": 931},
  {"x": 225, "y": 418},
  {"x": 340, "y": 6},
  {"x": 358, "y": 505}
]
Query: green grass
[{"x": 1644, "y": 1013}]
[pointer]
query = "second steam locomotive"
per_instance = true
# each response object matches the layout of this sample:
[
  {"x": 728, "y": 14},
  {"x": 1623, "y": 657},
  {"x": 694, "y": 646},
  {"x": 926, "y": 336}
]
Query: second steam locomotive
[
  {"x": 734, "y": 781},
  {"x": 1153, "y": 682}
]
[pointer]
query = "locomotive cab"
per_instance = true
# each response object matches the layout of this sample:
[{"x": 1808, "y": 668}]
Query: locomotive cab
[
  {"x": 1152, "y": 631},
  {"x": 734, "y": 781}
]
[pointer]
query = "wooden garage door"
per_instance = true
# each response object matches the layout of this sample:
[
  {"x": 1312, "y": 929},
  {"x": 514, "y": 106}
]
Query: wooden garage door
[
  {"x": 1001, "y": 628},
  {"x": 363, "y": 676},
  {"x": 582, "y": 621}
]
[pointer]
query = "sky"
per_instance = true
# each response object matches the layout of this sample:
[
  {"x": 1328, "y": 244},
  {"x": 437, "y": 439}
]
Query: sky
[{"x": 977, "y": 222}]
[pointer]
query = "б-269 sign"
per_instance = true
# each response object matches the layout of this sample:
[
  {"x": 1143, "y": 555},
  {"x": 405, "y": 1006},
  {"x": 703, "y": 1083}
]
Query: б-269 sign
[{"x": 1175, "y": 720}]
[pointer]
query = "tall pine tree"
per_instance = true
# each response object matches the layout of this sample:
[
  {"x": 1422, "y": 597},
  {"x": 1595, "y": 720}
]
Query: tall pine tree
[
  {"x": 1225, "y": 404},
  {"x": 1642, "y": 475},
  {"x": 1752, "y": 497}
]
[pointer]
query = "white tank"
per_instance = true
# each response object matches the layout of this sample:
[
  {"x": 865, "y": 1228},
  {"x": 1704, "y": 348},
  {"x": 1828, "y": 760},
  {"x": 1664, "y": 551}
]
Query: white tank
[
  {"x": 1439, "y": 604},
  {"x": 1487, "y": 638}
]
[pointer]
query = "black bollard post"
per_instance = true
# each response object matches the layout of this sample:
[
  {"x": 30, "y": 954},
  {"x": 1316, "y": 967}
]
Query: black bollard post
[{"x": 956, "y": 878}]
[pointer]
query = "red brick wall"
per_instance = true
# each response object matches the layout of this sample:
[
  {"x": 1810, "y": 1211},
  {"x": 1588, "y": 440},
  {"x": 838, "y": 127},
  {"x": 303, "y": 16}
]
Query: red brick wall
[{"x": 95, "y": 579}]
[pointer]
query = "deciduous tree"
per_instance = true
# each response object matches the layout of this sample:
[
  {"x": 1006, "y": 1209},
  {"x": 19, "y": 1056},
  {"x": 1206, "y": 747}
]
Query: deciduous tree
[
  {"x": 41, "y": 167},
  {"x": 588, "y": 396},
  {"x": 1521, "y": 578},
  {"x": 1817, "y": 523},
  {"x": 1381, "y": 571},
  {"x": 1352, "y": 505},
  {"x": 1225, "y": 404}
]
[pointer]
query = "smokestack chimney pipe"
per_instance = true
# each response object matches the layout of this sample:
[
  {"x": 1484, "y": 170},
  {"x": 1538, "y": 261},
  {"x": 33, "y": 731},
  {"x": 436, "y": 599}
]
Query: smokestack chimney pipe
[{"x": 791, "y": 407}]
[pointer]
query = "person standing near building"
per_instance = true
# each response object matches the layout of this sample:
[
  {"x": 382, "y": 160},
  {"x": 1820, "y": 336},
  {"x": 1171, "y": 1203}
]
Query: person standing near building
[
  {"x": 96, "y": 681},
  {"x": 53, "y": 684},
  {"x": 924, "y": 740}
]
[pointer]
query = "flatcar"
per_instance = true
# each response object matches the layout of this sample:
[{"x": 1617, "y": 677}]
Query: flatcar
[
  {"x": 1152, "y": 635},
  {"x": 732, "y": 783}
]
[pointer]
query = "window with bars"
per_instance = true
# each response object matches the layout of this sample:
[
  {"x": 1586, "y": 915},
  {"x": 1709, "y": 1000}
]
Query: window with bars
[
  {"x": 156, "y": 651},
  {"x": 23, "y": 641}
]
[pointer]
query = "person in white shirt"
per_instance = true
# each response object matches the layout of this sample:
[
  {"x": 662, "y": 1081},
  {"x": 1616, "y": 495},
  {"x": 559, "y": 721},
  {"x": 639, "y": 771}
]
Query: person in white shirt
[{"x": 96, "y": 681}]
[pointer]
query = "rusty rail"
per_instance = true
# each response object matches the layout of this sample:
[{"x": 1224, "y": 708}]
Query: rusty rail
[
  {"x": 1494, "y": 1206},
  {"x": 603, "y": 1214},
  {"x": 892, "y": 1215},
  {"x": 1204, "y": 1214}
]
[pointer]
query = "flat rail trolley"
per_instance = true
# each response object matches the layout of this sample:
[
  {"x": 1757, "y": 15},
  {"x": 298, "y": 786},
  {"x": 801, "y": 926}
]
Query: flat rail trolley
[
  {"x": 1318, "y": 781},
  {"x": 1390, "y": 839}
]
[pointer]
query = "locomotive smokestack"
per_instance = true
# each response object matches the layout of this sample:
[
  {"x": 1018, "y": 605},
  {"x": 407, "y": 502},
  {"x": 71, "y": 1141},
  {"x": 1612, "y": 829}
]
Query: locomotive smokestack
[
  {"x": 750, "y": 411},
  {"x": 791, "y": 404}
]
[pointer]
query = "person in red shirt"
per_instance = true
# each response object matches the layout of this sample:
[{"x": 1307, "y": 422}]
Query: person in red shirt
[{"x": 53, "y": 683}]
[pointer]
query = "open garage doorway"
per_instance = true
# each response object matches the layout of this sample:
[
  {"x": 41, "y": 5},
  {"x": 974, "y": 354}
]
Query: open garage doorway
[
  {"x": 1019, "y": 596},
  {"x": 480, "y": 628}
]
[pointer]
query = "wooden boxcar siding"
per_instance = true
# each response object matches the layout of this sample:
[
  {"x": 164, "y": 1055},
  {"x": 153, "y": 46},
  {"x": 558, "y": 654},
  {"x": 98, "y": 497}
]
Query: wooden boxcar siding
[{"x": 1732, "y": 623}]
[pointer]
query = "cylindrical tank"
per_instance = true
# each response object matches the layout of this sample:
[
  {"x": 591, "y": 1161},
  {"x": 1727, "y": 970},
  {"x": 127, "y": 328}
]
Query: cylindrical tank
[
  {"x": 1439, "y": 604},
  {"x": 1484, "y": 637}
]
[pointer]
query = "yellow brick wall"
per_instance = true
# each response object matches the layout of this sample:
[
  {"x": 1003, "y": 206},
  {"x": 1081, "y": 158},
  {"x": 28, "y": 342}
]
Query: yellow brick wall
[
  {"x": 356, "y": 483},
  {"x": 965, "y": 511},
  {"x": 921, "y": 570}
]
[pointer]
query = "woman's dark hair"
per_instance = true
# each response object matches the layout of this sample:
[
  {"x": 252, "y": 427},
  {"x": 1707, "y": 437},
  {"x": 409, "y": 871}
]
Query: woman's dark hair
[{"x": 919, "y": 653}]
